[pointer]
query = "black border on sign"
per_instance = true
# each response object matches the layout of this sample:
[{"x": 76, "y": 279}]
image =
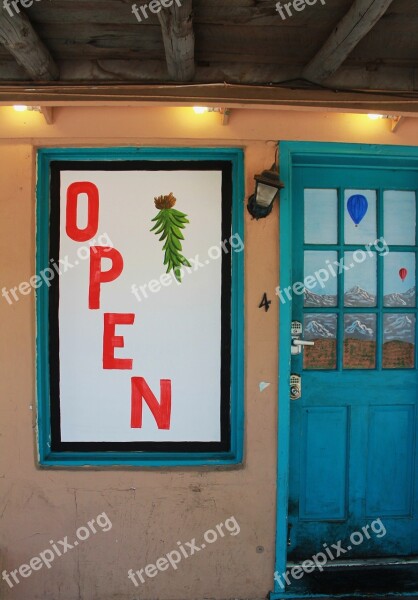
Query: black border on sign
[{"x": 224, "y": 445}]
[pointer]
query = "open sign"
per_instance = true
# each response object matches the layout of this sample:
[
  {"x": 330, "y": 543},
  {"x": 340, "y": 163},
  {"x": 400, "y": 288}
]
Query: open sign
[{"x": 149, "y": 373}]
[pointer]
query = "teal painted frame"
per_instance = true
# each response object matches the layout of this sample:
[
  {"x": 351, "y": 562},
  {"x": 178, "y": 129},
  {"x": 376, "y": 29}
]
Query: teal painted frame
[
  {"x": 291, "y": 153},
  {"x": 46, "y": 458}
]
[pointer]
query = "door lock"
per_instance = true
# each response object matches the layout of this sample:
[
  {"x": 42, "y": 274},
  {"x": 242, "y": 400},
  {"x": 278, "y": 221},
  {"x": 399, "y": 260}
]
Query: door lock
[
  {"x": 295, "y": 386},
  {"x": 297, "y": 342}
]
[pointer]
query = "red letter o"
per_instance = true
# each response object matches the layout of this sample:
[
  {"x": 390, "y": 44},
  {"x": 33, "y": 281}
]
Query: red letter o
[{"x": 74, "y": 190}]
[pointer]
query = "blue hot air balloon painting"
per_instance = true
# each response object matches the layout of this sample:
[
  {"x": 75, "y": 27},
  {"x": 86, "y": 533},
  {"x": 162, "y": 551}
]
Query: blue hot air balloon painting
[{"x": 357, "y": 207}]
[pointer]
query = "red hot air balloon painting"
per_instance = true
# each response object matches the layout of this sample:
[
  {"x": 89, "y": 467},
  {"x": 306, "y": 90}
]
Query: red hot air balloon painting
[
  {"x": 357, "y": 206},
  {"x": 403, "y": 273}
]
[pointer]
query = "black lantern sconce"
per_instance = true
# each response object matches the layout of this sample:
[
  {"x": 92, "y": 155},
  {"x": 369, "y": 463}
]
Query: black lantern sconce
[{"x": 268, "y": 184}]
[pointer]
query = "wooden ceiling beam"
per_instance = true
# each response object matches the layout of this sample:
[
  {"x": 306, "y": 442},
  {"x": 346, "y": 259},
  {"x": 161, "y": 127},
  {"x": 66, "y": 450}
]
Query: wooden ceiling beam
[
  {"x": 352, "y": 28},
  {"x": 18, "y": 36},
  {"x": 366, "y": 78},
  {"x": 225, "y": 95},
  {"x": 178, "y": 37}
]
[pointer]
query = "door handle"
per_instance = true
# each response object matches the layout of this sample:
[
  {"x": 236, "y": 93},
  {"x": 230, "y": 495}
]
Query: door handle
[{"x": 297, "y": 342}]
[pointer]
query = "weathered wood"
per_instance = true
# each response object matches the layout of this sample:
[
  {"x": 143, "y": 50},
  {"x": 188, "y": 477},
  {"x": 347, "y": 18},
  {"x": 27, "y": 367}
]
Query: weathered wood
[
  {"x": 19, "y": 37},
  {"x": 178, "y": 37},
  {"x": 11, "y": 71},
  {"x": 226, "y": 95},
  {"x": 383, "y": 78},
  {"x": 143, "y": 40},
  {"x": 260, "y": 14},
  {"x": 239, "y": 42},
  {"x": 152, "y": 70},
  {"x": 358, "y": 21}
]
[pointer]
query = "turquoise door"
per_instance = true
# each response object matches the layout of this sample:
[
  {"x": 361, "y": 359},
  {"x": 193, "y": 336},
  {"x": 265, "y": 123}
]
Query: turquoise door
[{"x": 353, "y": 432}]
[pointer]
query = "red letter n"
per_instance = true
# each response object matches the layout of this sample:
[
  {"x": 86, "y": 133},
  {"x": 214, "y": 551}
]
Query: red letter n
[{"x": 160, "y": 410}]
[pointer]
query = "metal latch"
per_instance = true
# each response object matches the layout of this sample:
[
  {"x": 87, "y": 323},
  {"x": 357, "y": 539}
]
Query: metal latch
[
  {"x": 295, "y": 386},
  {"x": 297, "y": 342}
]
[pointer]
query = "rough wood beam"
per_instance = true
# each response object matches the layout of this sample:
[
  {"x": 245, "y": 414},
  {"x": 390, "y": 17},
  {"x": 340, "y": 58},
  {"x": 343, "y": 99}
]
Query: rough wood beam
[
  {"x": 227, "y": 95},
  {"x": 381, "y": 77},
  {"x": 144, "y": 71},
  {"x": 352, "y": 28},
  {"x": 178, "y": 36},
  {"x": 22, "y": 41},
  {"x": 388, "y": 78}
]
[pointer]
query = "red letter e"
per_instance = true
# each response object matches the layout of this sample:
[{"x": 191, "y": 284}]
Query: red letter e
[{"x": 112, "y": 341}]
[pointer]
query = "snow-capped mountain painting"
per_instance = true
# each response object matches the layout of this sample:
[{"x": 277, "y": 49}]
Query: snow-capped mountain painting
[
  {"x": 399, "y": 327},
  {"x": 356, "y": 296},
  {"x": 400, "y": 299},
  {"x": 312, "y": 299},
  {"x": 360, "y": 327},
  {"x": 320, "y": 326}
]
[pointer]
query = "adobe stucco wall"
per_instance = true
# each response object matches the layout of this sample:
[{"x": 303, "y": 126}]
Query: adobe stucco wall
[{"x": 150, "y": 509}]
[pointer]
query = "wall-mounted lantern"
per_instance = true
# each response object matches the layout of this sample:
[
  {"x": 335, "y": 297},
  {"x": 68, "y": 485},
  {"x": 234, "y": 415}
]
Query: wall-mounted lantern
[{"x": 268, "y": 184}]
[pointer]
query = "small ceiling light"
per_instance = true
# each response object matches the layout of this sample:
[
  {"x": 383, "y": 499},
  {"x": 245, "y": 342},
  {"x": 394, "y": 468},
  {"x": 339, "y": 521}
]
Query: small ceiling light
[
  {"x": 224, "y": 112},
  {"x": 268, "y": 184},
  {"x": 199, "y": 110},
  {"x": 374, "y": 117},
  {"x": 20, "y": 107}
]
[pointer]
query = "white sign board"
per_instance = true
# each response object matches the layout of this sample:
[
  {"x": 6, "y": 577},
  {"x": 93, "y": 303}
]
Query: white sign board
[{"x": 137, "y": 353}]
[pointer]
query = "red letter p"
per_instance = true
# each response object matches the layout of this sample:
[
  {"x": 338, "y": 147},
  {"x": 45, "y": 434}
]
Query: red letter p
[{"x": 97, "y": 276}]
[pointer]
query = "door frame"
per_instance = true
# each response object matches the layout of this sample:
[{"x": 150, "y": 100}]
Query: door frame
[{"x": 289, "y": 153}]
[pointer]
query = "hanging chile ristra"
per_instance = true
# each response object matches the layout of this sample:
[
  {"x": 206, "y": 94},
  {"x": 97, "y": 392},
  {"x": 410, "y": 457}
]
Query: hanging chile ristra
[{"x": 169, "y": 222}]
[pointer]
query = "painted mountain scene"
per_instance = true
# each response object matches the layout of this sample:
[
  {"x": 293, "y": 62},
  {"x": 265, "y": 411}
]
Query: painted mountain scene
[
  {"x": 312, "y": 299},
  {"x": 321, "y": 328},
  {"x": 400, "y": 298},
  {"x": 357, "y": 296},
  {"x": 398, "y": 341},
  {"x": 359, "y": 341},
  {"x": 359, "y": 346}
]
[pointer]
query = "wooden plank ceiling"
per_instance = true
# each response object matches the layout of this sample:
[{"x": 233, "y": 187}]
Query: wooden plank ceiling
[{"x": 360, "y": 46}]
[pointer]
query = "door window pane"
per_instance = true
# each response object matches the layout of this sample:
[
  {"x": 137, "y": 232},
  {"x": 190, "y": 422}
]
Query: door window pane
[
  {"x": 359, "y": 341},
  {"x": 360, "y": 278},
  {"x": 399, "y": 279},
  {"x": 322, "y": 329},
  {"x": 360, "y": 216},
  {"x": 321, "y": 216},
  {"x": 398, "y": 341},
  {"x": 320, "y": 278},
  {"x": 399, "y": 217}
]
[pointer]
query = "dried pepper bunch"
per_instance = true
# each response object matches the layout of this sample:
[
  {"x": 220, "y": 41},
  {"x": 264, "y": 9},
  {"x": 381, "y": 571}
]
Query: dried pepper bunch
[{"x": 169, "y": 222}]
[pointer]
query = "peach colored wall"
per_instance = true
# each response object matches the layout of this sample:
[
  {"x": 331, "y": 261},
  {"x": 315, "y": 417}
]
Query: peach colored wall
[{"x": 150, "y": 509}]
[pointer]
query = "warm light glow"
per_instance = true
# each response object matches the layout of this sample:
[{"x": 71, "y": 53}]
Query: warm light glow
[
  {"x": 375, "y": 117},
  {"x": 20, "y": 107},
  {"x": 199, "y": 110}
]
